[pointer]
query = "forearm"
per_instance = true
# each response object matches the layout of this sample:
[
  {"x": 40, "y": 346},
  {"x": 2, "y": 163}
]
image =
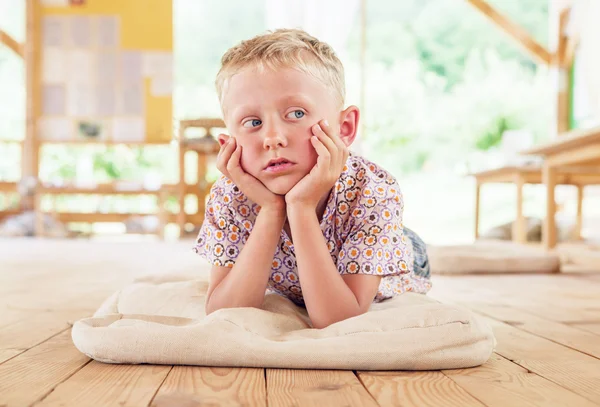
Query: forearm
[
  {"x": 327, "y": 297},
  {"x": 245, "y": 284}
]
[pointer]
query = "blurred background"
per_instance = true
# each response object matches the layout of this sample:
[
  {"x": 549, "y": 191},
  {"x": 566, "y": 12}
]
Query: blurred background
[{"x": 444, "y": 92}]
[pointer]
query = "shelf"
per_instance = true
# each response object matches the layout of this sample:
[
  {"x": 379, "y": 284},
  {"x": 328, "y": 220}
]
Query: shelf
[
  {"x": 108, "y": 142},
  {"x": 101, "y": 217},
  {"x": 114, "y": 189},
  {"x": 8, "y": 186}
]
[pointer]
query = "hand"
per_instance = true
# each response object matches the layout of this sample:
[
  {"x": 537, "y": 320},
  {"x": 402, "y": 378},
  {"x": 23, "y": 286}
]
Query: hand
[
  {"x": 228, "y": 162},
  {"x": 333, "y": 154}
]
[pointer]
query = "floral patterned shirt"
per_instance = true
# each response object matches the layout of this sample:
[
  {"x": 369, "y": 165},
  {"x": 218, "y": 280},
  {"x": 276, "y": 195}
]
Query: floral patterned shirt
[{"x": 362, "y": 226}]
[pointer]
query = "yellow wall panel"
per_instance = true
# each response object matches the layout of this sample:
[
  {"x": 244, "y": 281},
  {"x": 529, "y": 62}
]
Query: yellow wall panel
[{"x": 144, "y": 27}]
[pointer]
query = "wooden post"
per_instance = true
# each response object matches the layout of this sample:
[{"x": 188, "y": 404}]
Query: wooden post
[
  {"x": 549, "y": 229},
  {"x": 182, "y": 184},
  {"x": 363, "y": 65},
  {"x": 579, "y": 224},
  {"x": 163, "y": 215},
  {"x": 560, "y": 69},
  {"x": 477, "y": 199},
  {"x": 519, "y": 231},
  {"x": 30, "y": 146}
]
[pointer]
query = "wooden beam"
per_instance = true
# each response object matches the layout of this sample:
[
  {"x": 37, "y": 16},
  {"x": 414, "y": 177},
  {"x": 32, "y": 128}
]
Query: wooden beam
[
  {"x": 515, "y": 31},
  {"x": 11, "y": 43}
]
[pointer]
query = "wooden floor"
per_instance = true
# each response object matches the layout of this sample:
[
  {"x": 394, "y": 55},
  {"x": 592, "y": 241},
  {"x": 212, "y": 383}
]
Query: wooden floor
[{"x": 547, "y": 327}]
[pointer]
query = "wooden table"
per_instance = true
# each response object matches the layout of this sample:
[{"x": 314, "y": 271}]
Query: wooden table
[
  {"x": 532, "y": 174},
  {"x": 579, "y": 148}
]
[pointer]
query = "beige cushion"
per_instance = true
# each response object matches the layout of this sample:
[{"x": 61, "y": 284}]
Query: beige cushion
[
  {"x": 491, "y": 257},
  {"x": 163, "y": 322}
]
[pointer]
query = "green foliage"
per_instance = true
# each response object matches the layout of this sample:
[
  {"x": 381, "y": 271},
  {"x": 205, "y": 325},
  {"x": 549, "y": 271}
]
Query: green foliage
[{"x": 493, "y": 136}]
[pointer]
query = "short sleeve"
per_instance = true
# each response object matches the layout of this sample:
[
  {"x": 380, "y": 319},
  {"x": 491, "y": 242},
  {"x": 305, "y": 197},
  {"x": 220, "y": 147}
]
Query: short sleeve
[
  {"x": 220, "y": 239},
  {"x": 376, "y": 243}
]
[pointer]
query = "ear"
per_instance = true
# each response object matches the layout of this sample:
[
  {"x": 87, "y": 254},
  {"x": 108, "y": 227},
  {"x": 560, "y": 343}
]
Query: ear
[
  {"x": 349, "y": 124},
  {"x": 223, "y": 138}
]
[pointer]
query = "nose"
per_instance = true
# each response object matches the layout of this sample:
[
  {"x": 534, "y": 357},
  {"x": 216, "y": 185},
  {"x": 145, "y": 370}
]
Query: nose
[{"x": 274, "y": 137}]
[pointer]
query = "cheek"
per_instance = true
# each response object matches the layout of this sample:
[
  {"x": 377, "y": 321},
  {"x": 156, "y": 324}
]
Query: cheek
[{"x": 249, "y": 158}]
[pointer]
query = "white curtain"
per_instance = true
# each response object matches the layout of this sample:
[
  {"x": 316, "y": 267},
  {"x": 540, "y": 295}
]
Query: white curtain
[
  {"x": 330, "y": 21},
  {"x": 587, "y": 96}
]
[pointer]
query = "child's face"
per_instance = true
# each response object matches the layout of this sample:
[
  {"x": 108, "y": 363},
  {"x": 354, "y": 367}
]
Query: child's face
[{"x": 270, "y": 114}]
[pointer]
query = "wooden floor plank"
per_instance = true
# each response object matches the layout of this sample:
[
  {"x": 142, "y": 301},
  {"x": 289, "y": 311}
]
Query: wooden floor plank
[
  {"x": 317, "y": 388},
  {"x": 418, "y": 389},
  {"x": 99, "y": 384},
  {"x": 30, "y": 376},
  {"x": 214, "y": 386},
  {"x": 568, "y": 368},
  {"x": 20, "y": 336},
  {"x": 548, "y": 300},
  {"x": 593, "y": 327},
  {"x": 500, "y": 382},
  {"x": 566, "y": 335}
]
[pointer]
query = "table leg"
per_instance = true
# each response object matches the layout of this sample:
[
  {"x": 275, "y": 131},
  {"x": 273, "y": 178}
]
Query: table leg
[
  {"x": 549, "y": 230},
  {"x": 39, "y": 229},
  {"x": 579, "y": 225},
  {"x": 519, "y": 231},
  {"x": 477, "y": 198},
  {"x": 181, "y": 191}
]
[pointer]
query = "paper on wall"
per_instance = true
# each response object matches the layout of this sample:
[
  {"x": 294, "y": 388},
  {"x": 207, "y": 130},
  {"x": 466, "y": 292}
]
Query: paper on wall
[
  {"x": 53, "y": 65},
  {"x": 55, "y": 3},
  {"x": 106, "y": 69},
  {"x": 81, "y": 99},
  {"x": 81, "y": 66},
  {"x": 55, "y": 129},
  {"x": 53, "y": 99},
  {"x": 131, "y": 67},
  {"x": 106, "y": 100},
  {"x": 130, "y": 100},
  {"x": 80, "y": 31},
  {"x": 53, "y": 31},
  {"x": 161, "y": 85},
  {"x": 157, "y": 63},
  {"x": 128, "y": 129},
  {"x": 108, "y": 31}
]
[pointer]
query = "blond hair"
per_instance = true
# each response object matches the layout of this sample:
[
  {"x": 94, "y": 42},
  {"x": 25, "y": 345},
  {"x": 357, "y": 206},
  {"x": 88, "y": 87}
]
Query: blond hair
[{"x": 285, "y": 48}]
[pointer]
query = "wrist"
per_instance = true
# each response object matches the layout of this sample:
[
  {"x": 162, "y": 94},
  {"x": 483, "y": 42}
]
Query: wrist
[
  {"x": 301, "y": 209},
  {"x": 276, "y": 211}
]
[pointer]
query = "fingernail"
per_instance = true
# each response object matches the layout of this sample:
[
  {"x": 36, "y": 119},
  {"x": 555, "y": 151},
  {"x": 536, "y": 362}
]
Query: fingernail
[{"x": 326, "y": 123}]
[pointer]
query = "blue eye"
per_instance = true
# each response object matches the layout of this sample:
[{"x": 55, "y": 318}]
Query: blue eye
[
  {"x": 253, "y": 123},
  {"x": 297, "y": 114}
]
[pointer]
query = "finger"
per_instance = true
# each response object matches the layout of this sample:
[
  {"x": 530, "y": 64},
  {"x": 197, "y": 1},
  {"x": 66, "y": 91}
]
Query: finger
[
  {"x": 233, "y": 166},
  {"x": 324, "y": 138},
  {"x": 324, "y": 159},
  {"x": 336, "y": 149},
  {"x": 334, "y": 135},
  {"x": 224, "y": 155}
]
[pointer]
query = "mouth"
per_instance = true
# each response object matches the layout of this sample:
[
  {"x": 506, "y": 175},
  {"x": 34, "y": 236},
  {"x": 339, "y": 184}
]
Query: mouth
[{"x": 278, "y": 164}]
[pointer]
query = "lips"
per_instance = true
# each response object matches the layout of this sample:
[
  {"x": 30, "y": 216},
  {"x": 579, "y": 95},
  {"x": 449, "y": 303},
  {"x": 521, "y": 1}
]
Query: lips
[{"x": 277, "y": 162}]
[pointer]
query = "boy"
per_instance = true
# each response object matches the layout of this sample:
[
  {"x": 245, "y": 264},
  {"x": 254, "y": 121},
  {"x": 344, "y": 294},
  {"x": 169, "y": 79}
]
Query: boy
[{"x": 295, "y": 211}]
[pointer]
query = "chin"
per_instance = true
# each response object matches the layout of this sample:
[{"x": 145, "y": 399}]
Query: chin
[{"x": 281, "y": 185}]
